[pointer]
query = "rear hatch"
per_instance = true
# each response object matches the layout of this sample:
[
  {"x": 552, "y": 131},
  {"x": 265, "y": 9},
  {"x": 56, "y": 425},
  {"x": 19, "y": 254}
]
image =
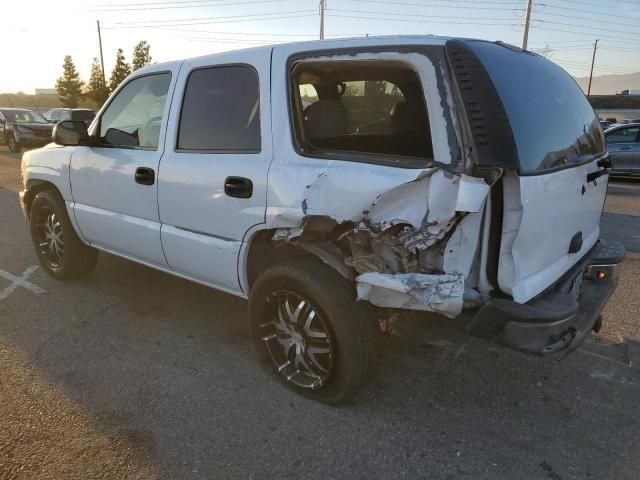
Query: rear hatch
[{"x": 529, "y": 117}]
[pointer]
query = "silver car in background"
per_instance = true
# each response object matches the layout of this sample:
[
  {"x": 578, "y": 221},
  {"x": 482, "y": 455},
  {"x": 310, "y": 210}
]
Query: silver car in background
[{"x": 623, "y": 143}]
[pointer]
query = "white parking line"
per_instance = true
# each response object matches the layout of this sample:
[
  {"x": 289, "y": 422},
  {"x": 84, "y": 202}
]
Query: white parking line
[{"x": 20, "y": 281}]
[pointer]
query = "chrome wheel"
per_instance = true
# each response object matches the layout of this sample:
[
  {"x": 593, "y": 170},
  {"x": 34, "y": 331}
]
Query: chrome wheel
[
  {"x": 50, "y": 237},
  {"x": 298, "y": 340}
]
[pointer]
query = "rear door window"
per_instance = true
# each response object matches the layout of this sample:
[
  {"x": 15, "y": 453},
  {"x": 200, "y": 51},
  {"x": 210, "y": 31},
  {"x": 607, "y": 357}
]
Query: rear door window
[
  {"x": 221, "y": 110},
  {"x": 624, "y": 135}
]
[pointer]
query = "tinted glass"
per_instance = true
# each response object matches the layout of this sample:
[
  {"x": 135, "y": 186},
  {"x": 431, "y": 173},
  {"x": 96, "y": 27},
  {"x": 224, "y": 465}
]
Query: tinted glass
[
  {"x": 552, "y": 121},
  {"x": 82, "y": 115},
  {"x": 624, "y": 135},
  {"x": 221, "y": 110},
  {"x": 134, "y": 116}
]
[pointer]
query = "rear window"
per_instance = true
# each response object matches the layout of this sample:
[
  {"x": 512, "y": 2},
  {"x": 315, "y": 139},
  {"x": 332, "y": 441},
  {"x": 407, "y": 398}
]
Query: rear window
[{"x": 552, "y": 121}]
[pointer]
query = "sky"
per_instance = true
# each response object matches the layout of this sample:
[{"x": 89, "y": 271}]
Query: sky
[{"x": 37, "y": 34}]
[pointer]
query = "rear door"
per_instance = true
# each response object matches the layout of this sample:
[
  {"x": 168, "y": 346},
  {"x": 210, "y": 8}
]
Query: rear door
[
  {"x": 624, "y": 148},
  {"x": 213, "y": 175},
  {"x": 553, "y": 186}
]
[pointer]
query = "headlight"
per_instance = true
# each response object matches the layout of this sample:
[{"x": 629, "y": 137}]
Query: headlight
[{"x": 23, "y": 129}]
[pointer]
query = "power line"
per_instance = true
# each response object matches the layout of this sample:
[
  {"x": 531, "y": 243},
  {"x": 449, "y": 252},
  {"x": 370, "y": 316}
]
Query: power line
[
  {"x": 158, "y": 7},
  {"x": 368, "y": 12},
  {"x": 212, "y": 20},
  {"x": 385, "y": 2},
  {"x": 417, "y": 21}
]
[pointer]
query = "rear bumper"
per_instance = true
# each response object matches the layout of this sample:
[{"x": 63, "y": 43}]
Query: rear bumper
[{"x": 557, "y": 321}]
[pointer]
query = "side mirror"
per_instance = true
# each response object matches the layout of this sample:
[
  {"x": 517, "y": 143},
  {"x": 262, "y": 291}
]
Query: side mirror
[{"x": 70, "y": 133}]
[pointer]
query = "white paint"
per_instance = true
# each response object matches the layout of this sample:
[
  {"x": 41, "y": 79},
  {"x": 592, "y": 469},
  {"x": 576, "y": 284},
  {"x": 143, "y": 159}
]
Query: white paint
[
  {"x": 553, "y": 211},
  {"x": 20, "y": 281},
  {"x": 406, "y": 204},
  {"x": 472, "y": 192},
  {"x": 462, "y": 247},
  {"x": 443, "y": 192},
  {"x": 414, "y": 291}
]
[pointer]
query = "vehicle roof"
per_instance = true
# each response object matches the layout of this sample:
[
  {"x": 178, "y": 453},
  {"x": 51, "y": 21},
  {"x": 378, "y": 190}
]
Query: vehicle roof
[
  {"x": 374, "y": 41},
  {"x": 16, "y": 109}
]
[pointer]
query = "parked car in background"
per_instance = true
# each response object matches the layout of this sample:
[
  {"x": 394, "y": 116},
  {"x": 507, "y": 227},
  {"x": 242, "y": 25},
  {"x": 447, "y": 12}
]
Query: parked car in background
[
  {"x": 623, "y": 143},
  {"x": 419, "y": 173},
  {"x": 56, "y": 115},
  {"x": 605, "y": 124},
  {"x": 20, "y": 128}
]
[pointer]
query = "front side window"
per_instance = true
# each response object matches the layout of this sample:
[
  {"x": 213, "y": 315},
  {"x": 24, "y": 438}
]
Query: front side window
[
  {"x": 134, "y": 116},
  {"x": 221, "y": 110},
  {"x": 361, "y": 107},
  {"x": 624, "y": 135}
]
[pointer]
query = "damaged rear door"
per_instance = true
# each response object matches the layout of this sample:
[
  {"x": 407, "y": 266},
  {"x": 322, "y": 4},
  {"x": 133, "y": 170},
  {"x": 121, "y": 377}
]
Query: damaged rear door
[{"x": 528, "y": 116}]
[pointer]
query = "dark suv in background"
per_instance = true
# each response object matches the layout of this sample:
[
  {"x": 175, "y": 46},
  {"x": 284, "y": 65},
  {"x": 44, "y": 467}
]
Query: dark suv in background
[{"x": 20, "y": 128}]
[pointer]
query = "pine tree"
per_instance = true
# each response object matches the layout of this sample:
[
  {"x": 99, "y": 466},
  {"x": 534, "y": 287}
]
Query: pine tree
[
  {"x": 96, "y": 88},
  {"x": 69, "y": 85},
  {"x": 121, "y": 70},
  {"x": 141, "y": 55}
]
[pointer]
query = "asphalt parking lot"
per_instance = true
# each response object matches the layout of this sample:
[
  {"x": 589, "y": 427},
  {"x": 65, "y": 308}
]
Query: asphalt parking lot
[{"x": 132, "y": 373}]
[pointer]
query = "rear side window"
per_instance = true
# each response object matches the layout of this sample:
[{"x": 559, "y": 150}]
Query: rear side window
[
  {"x": 365, "y": 107},
  {"x": 221, "y": 110},
  {"x": 553, "y": 123},
  {"x": 624, "y": 135}
]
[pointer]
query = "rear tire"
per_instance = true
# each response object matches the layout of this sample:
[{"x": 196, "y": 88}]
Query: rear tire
[
  {"x": 13, "y": 144},
  {"x": 61, "y": 253},
  {"x": 310, "y": 333}
]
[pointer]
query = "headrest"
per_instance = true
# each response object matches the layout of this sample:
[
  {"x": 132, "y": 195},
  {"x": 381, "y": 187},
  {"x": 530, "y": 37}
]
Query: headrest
[{"x": 326, "y": 119}]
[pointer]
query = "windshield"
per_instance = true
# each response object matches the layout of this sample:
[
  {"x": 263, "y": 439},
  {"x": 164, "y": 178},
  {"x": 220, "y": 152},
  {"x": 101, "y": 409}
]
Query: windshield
[
  {"x": 552, "y": 121},
  {"x": 23, "y": 116}
]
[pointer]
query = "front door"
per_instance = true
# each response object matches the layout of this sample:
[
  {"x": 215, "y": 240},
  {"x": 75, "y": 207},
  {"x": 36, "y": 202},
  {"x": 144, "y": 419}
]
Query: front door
[
  {"x": 624, "y": 146},
  {"x": 213, "y": 175},
  {"x": 114, "y": 183}
]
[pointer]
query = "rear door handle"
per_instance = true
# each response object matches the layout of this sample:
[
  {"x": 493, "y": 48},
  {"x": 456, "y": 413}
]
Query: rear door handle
[
  {"x": 625, "y": 149},
  {"x": 145, "y": 176},
  {"x": 238, "y": 187}
]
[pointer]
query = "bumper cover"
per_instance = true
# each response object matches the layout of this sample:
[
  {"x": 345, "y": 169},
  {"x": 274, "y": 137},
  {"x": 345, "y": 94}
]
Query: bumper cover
[{"x": 557, "y": 321}]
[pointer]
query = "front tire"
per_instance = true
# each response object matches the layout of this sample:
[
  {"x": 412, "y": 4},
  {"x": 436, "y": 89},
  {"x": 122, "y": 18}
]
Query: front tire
[
  {"x": 61, "y": 253},
  {"x": 14, "y": 146},
  {"x": 309, "y": 331}
]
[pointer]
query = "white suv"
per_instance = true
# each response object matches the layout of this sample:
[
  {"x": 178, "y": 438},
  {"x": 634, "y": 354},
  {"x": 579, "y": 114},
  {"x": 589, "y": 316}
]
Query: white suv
[{"x": 416, "y": 172}]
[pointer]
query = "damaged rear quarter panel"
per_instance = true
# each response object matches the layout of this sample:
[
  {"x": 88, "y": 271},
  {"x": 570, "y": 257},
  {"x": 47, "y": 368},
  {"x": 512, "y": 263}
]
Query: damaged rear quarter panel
[{"x": 376, "y": 196}]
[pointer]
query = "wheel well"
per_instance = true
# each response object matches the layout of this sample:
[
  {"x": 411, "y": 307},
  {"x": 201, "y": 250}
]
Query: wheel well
[
  {"x": 263, "y": 253},
  {"x": 34, "y": 187}
]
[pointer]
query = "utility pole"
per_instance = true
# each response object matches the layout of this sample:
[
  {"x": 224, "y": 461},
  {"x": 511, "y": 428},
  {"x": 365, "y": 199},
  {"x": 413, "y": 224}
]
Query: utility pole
[
  {"x": 593, "y": 61},
  {"x": 322, "y": 7},
  {"x": 104, "y": 80},
  {"x": 527, "y": 21}
]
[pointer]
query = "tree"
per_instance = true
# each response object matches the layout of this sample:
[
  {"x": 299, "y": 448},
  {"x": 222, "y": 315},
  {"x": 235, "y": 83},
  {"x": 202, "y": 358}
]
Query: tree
[
  {"x": 121, "y": 70},
  {"x": 69, "y": 85},
  {"x": 141, "y": 55},
  {"x": 96, "y": 88}
]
